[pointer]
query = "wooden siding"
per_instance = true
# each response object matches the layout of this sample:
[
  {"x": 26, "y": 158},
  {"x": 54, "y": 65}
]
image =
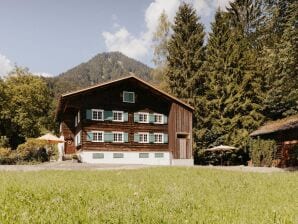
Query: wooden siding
[
  {"x": 110, "y": 98},
  {"x": 180, "y": 122}
]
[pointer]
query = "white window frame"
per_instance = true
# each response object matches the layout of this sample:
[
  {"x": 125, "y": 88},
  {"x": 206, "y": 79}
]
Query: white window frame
[
  {"x": 78, "y": 138},
  {"x": 162, "y": 118},
  {"x": 143, "y": 113},
  {"x": 98, "y": 111},
  {"x": 134, "y": 97},
  {"x": 122, "y": 115},
  {"x": 143, "y": 133},
  {"x": 118, "y": 132},
  {"x": 97, "y": 132},
  {"x": 162, "y": 138},
  {"x": 60, "y": 127},
  {"x": 77, "y": 119}
]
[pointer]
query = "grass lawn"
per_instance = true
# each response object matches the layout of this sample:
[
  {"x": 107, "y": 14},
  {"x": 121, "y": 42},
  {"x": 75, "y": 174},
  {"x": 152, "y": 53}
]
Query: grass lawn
[{"x": 153, "y": 195}]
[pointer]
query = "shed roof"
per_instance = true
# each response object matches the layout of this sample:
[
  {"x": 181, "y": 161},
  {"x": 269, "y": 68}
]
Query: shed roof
[
  {"x": 105, "y": 84},
  {"x": 276, "y": 126}
]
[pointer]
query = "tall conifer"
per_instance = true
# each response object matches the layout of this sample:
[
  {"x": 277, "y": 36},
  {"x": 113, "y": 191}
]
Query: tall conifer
[{"x": 186, "y": 53}]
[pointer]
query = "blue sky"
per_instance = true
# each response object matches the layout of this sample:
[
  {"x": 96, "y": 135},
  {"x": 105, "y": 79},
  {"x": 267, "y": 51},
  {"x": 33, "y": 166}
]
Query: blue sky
[{"x": 52, "y": 36}]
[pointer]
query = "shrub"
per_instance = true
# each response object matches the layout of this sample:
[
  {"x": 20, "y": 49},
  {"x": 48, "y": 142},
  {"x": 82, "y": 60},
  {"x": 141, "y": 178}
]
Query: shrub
[
  {"x": 262, "y": 152},
  {"x": 34, "y": 150},
  {"x": 8, "y": 157},
  {"x": 4, "y": 142}
]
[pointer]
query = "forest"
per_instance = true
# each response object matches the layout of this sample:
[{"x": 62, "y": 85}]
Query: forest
[{"x": 237, "y": 76}]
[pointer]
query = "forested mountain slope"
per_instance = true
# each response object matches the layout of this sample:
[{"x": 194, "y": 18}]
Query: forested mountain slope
[{"x": 101, "y": 68}]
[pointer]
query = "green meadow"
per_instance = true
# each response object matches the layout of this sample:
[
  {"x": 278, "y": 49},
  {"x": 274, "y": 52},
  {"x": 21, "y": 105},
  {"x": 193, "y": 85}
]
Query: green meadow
[{"x": 152, "y": 195}]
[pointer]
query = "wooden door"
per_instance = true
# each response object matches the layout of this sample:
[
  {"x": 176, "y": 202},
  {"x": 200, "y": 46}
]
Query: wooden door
[
  {"x": 182, "y": 147},
  {"x": 69, "y": 146}
]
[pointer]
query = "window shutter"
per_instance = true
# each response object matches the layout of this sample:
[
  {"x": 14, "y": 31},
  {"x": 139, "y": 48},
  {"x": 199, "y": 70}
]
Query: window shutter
[
  {"x": 136, "y": 137},
  {"x": 125, "y": 116},
  {"x": 89, "y": 136},
  {"x": 151, "y": 118},
  {"x": 165, "y": 138},
  {"x": 165, "y": 119},
  {"x": 88, "y": 115},
  {"x": 108, "y": 115},
  {"x": 151, "y": 138},
  {"x": 108, "y": 137},
  {"x": 125, "y": 137},
  {"x": 136, "y": 117}
]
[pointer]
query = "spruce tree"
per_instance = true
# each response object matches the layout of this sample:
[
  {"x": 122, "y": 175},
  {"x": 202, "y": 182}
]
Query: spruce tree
[
  {"x": 234, "y": 95},
  {"x": 281, "y": 63},
  {"x": 186, "y": 53}
]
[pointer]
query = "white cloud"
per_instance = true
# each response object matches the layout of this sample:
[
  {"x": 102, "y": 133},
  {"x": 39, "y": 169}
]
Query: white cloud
[
  {"x": 5, "y": 65},
  {"x": 43, "y": 74},
  {"x": 139, "y": 46},
  {"x": 207, "y": 8},
  {"x": 125, "y": 42}
]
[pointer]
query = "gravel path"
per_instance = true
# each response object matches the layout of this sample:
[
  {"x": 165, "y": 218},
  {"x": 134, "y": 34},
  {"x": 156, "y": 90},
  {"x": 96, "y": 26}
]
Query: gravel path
[{"x": 69, "y": 165}]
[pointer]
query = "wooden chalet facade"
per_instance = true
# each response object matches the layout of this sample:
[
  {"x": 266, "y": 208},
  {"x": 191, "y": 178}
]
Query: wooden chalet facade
[
  {"x": 285, "y": 133},
  {"x": 126, "y": 121}
]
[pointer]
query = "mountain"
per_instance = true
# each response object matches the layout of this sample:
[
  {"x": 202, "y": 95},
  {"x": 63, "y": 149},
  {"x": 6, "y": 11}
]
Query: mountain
[{"x": 101, "y": 68}]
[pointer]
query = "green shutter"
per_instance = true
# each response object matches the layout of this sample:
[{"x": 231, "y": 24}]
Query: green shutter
[
  {"x": 151, "y": 118},
  {"x": 125, "y": 137},
  {"x": 165, "y": 138},
  {"x": 108, "y": 137},
  {"x": 151, "y": 138},
  {"x": 165, "y": 119},
  {"x": 88, "y": 114},
  {"x": 136, "y": 137},
  {"x": 136, "y": 117},
  {"x": 108, "y": 115},
  {"x": 125, "y": 116},
  {"x": 89, "y": 136}
]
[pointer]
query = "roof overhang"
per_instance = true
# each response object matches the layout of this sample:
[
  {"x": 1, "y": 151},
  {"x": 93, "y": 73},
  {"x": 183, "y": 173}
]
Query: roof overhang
[{"x": 64, "y": 97}]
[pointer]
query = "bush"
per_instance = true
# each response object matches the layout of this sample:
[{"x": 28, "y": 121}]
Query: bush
[
  {"x": 8, "y": 157},
  {"x": 34, "y": 151},
  {"x": 4, "y": 142},
  {"x": 262, "y": 152}
]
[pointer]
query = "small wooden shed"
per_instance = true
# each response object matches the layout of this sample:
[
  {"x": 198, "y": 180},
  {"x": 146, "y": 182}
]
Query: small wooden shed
[{"x": 285, "y": 133}]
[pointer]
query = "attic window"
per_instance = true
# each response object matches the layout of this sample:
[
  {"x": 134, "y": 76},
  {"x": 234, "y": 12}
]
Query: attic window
[{"x": 128, "y": 97}]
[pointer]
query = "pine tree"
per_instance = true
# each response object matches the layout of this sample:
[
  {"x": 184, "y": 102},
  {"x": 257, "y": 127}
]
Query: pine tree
[
  {"x": 281, "y": 63},
  {"x": 186, "y": 53},
  {"x": 234, "y": 96}
]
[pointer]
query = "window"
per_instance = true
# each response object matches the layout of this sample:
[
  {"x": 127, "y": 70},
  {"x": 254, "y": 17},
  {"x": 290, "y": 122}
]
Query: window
[
  {"x": 158, "y": 138},
  {"x": 118, "y": 137},
  {"x": 77, "y": 119},
  {"x": 118, "y": 116},
  {"x": 158, "y": 118},
  {"x": 61, "y": 127},
  {"x": 143, "y": 155},
  {"x": 118, "y": 155},
  {"x": 97, "y": 115},
  {"x": 159, "y": 155},
  {"x": 97, "y": 136},
  {"x": 143, "y": 117},
  {"x": 128, "y": 97},
  {"x": 143, "y": 137},
  {"x": 98, "y": 156},
  {"x": 78, "y": 139}
]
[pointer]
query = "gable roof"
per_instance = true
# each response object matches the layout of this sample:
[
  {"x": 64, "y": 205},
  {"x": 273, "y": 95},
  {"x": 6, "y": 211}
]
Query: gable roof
[
  {"x": 276, "y": 126},
  {"x": 84, "y": 90}
]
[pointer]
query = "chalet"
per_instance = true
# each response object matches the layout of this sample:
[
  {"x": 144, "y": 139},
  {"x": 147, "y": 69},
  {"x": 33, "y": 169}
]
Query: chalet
[
  {"x": 285, "y": 133},
  {"x": 126, "y": 121}
]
